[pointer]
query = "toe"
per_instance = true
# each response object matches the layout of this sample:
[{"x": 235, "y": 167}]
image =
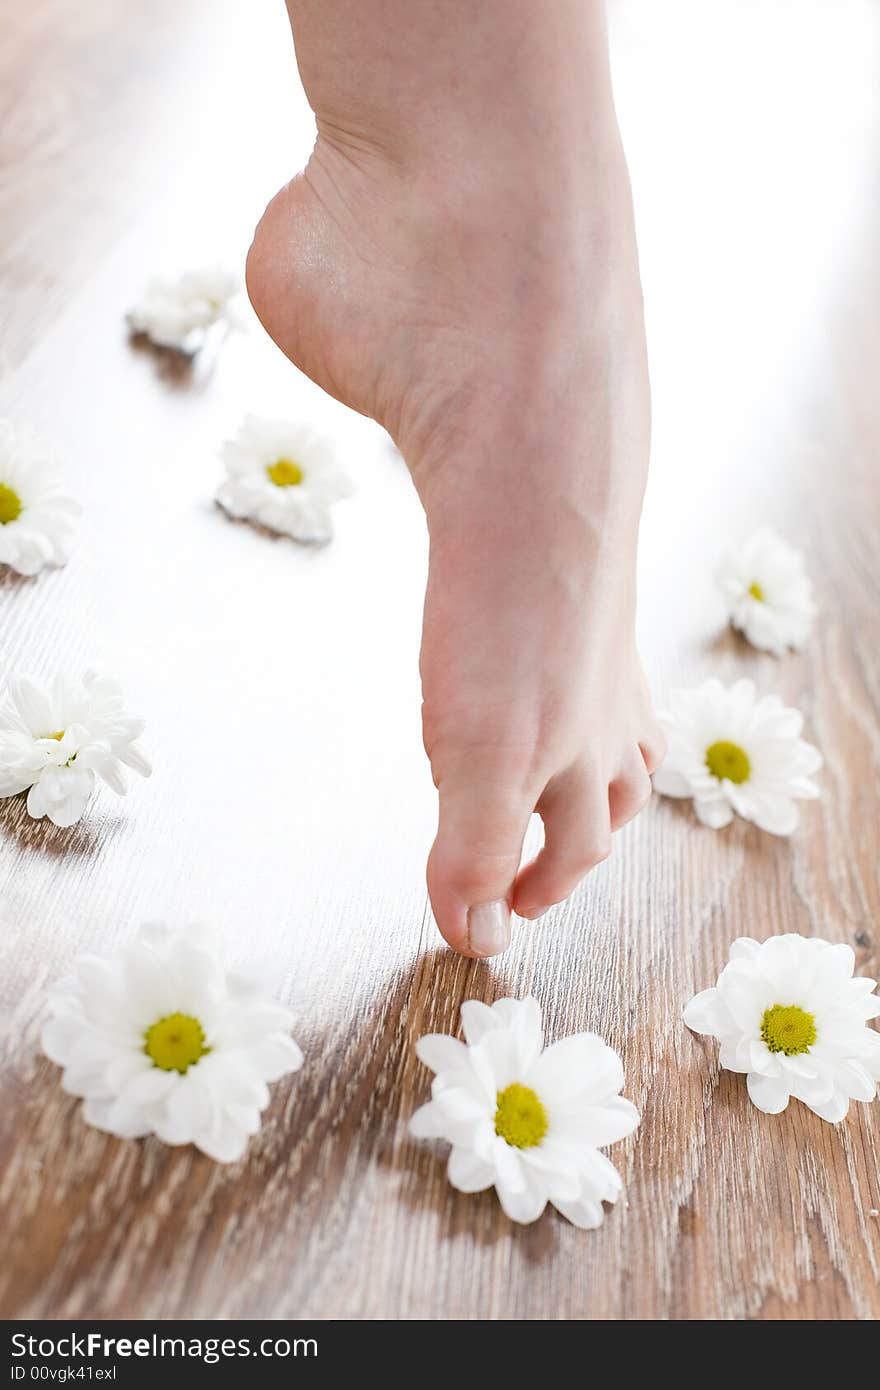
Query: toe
[
  {"x": 630, "y": 791},
  {"x": 474, "y": 861},
  {"x": 653, "y": 749},
  {"x": 577, "y": 836}
]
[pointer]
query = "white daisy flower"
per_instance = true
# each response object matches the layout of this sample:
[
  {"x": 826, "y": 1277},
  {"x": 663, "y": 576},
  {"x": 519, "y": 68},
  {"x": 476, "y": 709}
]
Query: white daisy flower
[
  {"x": 789, "y": 1014},
  {"x": 526, "y": 1119},
  {"x": 37, "y": 517},
  {"x": 160, "y": 1040},
  {"x": 768, "y": 593},
  {"x": 284, "y": 476},
  {"x": 179, "y": 313},
  {"x": 733, "y": 752},
  {"x": 55, "y": 739}
]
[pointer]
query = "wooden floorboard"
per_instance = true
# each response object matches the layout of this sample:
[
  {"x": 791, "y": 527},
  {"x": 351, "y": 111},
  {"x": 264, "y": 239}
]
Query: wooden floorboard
[{"x": 291, "y": 808}]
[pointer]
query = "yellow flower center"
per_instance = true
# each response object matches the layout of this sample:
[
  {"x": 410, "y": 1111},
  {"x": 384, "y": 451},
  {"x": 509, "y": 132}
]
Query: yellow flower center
[
  {"x": 756, "y": 591},
  {"x": 58, "y": 736},
  {"x": 285, "y": 473},
  {"x": 788, "y": 1028},
  {"x": 728, "y": 760},
  {"x": 176, "y": 1042},
  {"x": 10, "y": 505},
  {"x": 520, "y": 1118}
]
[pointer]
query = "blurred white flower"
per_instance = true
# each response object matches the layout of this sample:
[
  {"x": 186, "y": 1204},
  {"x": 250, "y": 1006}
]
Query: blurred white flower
[
  {"x": 56, "y": 738},
  {"x": 731, "y": 752},
  {"x": 179, "y": 313},
  {"x": 283, "y": 475},
  {"x": 37, "y": 517},
  {"x": 523, "y": 1118},
  {"x": 160, "y": 1040},
  {"x": 789, "y": 1014},
  {"x": 768, "y": 592}
]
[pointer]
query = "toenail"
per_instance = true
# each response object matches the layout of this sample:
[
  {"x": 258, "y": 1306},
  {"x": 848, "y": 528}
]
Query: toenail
[
  {"x": 534, "y": 913},
  {"x": 489, "y": 928}
]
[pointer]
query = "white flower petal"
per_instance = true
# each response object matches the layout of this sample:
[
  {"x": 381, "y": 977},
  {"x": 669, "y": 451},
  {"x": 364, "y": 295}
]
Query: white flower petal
[
  {"x": 441, "y": 1052},
  {"x": 59, "y": 1038},
  {"x": 582, "y": 1212},
  {"x": 477, "y": 1019},
  {"x": 34, "y": 705},
  {"x": 459, "y": 1106},
  {"x": 774, "y": 768},
  {"x": 744, "y": 948},
  {"x": 776, "y": 814},
  {"x": 522, "y": 1205},
  {"x": 100, "y": 1031},
  {"x": 768, "y": 1093},
  {"x": 97, "y": 1113},
  {"x": 55, "y": 738},
  {"x": 499, "y": 1057},
  {"x": 735, "y": 1054},
  {"x": 225, "y": 1141},
  {"x": 189, "y": 1105},
  {"x": 716, "y": 814},
  {"x": 767, "y": 593},
  {"x": 841, "y": 1062},
  {"x": 670, "y": 782},
  {"x": 468, "y": 1172},
  {"x": 297, "y": 503},
  {"x": 581, "y": 1067},
  {"x": 509, "y": 1166},
  {"x": 601, "y": 1180},
  {"x": 42, "y": 531},
  {"x": 812, "y": 1090},
  {"x": 833, "y": 1110},
  {"x": 763, "y": 1061},
  {"x": 179, "y": 313},
  {"x": 100, "y": 760},
  {"x": 839, "y": 960},
  {"x": 21, "y": 762},
  {"x": 275, "y": 1057},
  {"x": 132, "y": 756},
  {"x": 119, "y": 1070},
  {"x": 801, "y": 1065},
  {"x": 554, "y": 1165},
  {"x": 147, "y": 1087},
  {"x": 860, "y": 1085},
  {"x": 428, "y": 1122},
  {"x": 574, "y": 1082},
  {"x": 605, "y": 1124},
  {"x": 61, "y": 794},
  {"x": 701, "y": 1012}
]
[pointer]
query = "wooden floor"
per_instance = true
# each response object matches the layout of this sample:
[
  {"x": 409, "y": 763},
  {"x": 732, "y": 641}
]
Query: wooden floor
[{"x": 291, "y": 807}]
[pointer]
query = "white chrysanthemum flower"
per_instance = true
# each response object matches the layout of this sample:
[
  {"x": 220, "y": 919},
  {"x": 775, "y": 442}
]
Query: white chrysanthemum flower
[
  {"x": 56, "y": 738},
  {"x": 768, "y": 593},
  {"x": 789, "y": 1014},
  {"x": 284, "y": 476},
  {"x": 160, "y": 1040},
  {"x": 179, "y": 313},
  {"x": 37, "y": 517},
  {"x": 526, "y": 1119},
  {"x": 733, "y": 752}
]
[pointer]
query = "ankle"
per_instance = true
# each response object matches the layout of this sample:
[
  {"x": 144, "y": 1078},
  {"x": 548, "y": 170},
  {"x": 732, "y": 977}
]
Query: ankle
[{"x": 549, "y": 182}]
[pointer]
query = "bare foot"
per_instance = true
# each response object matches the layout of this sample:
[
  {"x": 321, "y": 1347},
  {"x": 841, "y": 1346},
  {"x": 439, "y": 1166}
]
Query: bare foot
[{"x": 481, "y": 300}]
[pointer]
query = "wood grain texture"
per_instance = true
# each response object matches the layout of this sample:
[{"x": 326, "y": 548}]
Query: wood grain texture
[{"x": 291, "y": 807}]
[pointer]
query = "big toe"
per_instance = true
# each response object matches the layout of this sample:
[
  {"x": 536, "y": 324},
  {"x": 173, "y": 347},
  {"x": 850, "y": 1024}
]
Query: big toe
[{"x": 474, "y": 862}]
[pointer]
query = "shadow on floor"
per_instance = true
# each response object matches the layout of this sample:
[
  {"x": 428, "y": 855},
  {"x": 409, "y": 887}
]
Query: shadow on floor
[{"x": 79, "y": 841}]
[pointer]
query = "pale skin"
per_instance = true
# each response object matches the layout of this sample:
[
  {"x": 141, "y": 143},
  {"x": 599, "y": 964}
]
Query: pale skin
[{"x": 458, "y": 261}]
